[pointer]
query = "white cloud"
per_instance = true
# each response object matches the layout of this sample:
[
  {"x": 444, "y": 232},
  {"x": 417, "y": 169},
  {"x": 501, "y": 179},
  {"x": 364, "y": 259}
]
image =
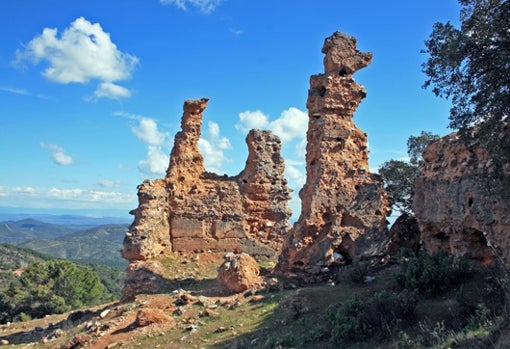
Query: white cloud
[
  {"x": 147, "y": 131},
  {"x": 156, "y": 160},
  {"x": 106, "y": 183},
  {"x": 291, "y": 124},
  {"x": 294, "y": 175},
  {"x": 236, "y": 31},
  {"x": 64, "y": 197},
  {"x": 58, "y": 154},
  {"x": 21, "y": 92},
  {"x": 111, "y": 90},
  {"x": 249, "y": 120},
  {"x": 88, "y": 195},
  {"x": 204, "y": 6},
  {"x": 212, "y": 148},
  {"x": 18, "y": 91},
  {"x": 300, "y": 151},
  {"x": 83, "y": 52}
]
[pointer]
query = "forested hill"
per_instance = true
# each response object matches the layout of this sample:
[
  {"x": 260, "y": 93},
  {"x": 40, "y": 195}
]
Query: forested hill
[
  {"x": 15, "y": 232},
  {"x": 98, "y": 245},
  {"x": 14, "y": 259},
  {"x": 30, "y": 284}
]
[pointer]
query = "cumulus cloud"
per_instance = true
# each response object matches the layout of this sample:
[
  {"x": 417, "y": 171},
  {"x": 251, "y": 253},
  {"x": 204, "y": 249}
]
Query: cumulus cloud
[
  {"x": 204, "y": 6},
  {"x": 295, "y": 175},
  {"x": 291, "y": 124},
  {"x": 83, "y": 52},
  {"x": 212, "y": 148},
  {"x": 58, "y": 154},
  {"x": 252, "y": 119},
  {"x": 156, "y": 160},
  {"x": 291, "y": 127},
  {"x": 147, "y": 131}
]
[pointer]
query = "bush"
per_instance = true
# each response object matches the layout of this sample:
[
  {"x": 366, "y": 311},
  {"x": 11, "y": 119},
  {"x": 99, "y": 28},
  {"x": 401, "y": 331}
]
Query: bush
[
  {"x": 377, "y": 316},
  {"x": 357, "y": 271},
  {"x": 431, "y": 274}
]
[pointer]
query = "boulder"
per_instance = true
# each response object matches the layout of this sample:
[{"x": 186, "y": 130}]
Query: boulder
[
  {"x": 239, "y": 272},
  {"x": 404, "y": 233}
]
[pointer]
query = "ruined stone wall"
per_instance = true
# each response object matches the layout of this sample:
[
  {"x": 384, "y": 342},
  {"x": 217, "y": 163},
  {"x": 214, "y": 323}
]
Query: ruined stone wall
[
  {"x": 460, "y": 205},
  {"x": 344, "y": 206},
  {"x": 191, "y": 210}
]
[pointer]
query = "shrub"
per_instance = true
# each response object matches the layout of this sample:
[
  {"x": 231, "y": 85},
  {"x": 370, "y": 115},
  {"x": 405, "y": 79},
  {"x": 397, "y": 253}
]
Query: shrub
[
  {"x": 431, "y": 274},
  {"x": 357, "y": 271},
  {"x": 377, "y": 316}
]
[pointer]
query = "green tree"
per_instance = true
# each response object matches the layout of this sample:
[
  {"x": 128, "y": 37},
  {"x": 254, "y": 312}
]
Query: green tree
[
  {"x": 416, "y": 146},
  {"x": 399, "y": 176},
  {"x": 57, "y": 286},
  {"x": 471, "y": 65}
]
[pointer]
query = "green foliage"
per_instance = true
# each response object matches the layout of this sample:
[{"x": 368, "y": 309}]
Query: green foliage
[
  {"x": 431, "y": 274},
  {"x": 285, "y": 340},
  {"x": 13, "y": 257},
  {"x": 357, "y": 271},
  {"x": 51, "y": 287},
  {"x": 112, "y": 278},
  {"x": 416, "y": 146},
  {"x": 471, "y": 66},
  {"x": 399, "y": 176},
  {"x": 378, "y": 316}
]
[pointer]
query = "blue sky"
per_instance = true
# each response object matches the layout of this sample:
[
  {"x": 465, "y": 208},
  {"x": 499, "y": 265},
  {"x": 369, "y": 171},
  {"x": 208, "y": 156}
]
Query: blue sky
[{"x": 91, "y": 92}]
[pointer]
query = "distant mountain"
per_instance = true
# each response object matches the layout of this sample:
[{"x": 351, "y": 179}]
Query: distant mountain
[
  {"x": 15, "y": 232},
  {"x": 98, "y": 245},
  {"x": 67, "y": 220}
]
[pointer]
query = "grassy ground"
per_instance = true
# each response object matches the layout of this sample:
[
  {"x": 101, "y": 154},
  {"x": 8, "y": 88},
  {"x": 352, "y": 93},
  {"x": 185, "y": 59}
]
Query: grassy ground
[{"x": 205, "y": 316}]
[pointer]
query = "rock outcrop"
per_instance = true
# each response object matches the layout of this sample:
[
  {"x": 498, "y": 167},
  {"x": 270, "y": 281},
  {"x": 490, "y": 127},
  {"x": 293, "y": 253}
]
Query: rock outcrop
[
  {"x": 460, "y": 204},
  {"x": 191, "y": 210},
  {"x": 344, "y": 206}
]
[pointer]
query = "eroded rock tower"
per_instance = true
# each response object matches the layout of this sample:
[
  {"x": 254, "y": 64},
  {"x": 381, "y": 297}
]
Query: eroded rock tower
[{"x": 344, "y": 206}]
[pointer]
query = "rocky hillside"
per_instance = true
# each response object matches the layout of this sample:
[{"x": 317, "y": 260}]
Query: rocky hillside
[{"x": 364, "y": 307}]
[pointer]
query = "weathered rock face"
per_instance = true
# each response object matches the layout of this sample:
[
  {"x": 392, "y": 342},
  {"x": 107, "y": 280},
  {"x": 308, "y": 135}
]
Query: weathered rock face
[
  {"x": 191, "y": 210},
  {"x": 344, "y": 206},
  {"x": 459, "y": 203}
]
